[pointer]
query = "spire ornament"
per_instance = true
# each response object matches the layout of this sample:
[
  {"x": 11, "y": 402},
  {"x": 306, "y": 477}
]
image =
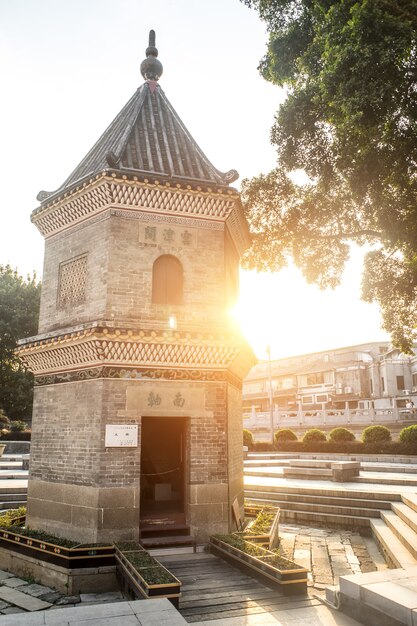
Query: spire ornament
[{"x": 151, "y": 67}]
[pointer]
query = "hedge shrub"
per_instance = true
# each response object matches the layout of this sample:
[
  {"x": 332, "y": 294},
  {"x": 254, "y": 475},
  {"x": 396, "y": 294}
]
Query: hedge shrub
[
  {"x": 376, "y": 434},
  {"x": 285, "y": 434},
  {"x": 341, "y": 434},
  {"x": 314, "y": 435},
  {"x": 247, "y": 438},
  {"x": 409, "y": 434}
]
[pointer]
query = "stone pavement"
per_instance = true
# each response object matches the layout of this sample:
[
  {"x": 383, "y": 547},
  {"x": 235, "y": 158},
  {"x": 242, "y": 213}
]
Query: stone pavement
[{"x": 329, "y": 554}]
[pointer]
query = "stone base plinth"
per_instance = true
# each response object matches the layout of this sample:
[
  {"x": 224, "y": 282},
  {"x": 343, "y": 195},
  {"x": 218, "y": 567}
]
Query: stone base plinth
[
  {"x": 67, "y": 581},
  {"x": 84, "y": 514}
]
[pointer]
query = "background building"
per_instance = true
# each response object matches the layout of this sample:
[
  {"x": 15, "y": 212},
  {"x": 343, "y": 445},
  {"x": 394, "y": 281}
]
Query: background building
[{"x": 370, "y": 375}]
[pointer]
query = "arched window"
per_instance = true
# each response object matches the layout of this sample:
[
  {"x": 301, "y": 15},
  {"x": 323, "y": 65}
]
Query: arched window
[{"x": 167, "y": 280}]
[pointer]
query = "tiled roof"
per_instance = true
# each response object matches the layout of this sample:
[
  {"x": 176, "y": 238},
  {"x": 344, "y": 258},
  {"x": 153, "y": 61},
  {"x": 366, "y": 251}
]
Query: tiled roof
[{"x": 147, "y": 137}]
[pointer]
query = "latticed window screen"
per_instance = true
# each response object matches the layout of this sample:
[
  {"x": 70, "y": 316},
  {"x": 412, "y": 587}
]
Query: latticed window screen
[{"x": 72, "y": 281}]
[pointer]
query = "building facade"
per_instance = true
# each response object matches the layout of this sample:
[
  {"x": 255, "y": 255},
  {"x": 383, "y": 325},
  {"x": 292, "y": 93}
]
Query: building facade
[
  {"x": 371, "y": 375},
  {"x": 138, "y": 371}
]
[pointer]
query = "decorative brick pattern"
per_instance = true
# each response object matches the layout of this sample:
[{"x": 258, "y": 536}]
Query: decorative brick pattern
[
  {"x": 153, "y": 197},
  {"x": 72, "y": 282},
  {"x": 94, "y": 347}
]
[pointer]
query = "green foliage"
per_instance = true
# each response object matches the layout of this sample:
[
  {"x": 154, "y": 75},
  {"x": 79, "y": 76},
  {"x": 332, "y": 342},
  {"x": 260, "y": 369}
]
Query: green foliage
[
  {"x": 247, "y": 438},
  {"x": 285, "y": 434},
  {"x": 4, "y": 420},
  {"x": 263, "y": 521},
  {"x": 341, "y": 434},
  {"x": 314, "y": 435},
  {"x": 376, "y": 434},
  {"x": 17, "y": 426},
  {"x": 7, "y": 518},
  {"x": 409, "y": 434},
  {"x": 257, "y": 551},
  {"x": 349, "y": 123},
  {"x": 19, "y": 311}
]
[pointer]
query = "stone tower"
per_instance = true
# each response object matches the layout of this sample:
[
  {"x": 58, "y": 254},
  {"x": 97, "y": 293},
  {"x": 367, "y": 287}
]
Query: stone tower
[{"x": 138, "y": 368}]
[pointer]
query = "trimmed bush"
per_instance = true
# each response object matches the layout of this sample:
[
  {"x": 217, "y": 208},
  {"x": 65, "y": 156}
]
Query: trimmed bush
[
  {"x": 341, "y": 435},
  {"x": 247, "y": 438},
  {"x": 314, "y": 435},
  {"x": 285, "y": 434},
  {"x": 409, "y": 434},
  {"x": 376, "y": 434}
]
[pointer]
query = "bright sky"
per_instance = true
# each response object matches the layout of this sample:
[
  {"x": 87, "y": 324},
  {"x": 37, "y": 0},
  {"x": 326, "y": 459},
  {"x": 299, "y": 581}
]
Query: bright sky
[{"x": 66, "y": 70}]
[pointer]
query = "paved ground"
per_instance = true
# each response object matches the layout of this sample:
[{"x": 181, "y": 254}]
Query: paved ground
[{"x": 329, "y": 554}]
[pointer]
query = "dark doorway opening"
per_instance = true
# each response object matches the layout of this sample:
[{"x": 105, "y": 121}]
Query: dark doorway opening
[{"x": 162, "y": 467}]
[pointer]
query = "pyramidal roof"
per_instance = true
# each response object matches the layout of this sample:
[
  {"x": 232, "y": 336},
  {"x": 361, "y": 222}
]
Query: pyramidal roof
[{"x": 147, "y": 137}]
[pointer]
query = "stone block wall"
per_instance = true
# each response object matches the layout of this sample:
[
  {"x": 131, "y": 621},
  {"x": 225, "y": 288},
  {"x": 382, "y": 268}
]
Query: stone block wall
[{"x": 82, "y": 490}]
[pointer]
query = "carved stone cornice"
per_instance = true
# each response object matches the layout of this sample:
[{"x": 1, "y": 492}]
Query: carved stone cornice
[
  {"x": 91, "y": 347},
  {"x": 120, "y": 373},
  {"x": 110, "y": 191}
]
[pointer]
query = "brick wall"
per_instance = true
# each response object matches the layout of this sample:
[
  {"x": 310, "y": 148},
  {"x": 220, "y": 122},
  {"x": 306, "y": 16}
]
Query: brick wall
[{"x": 119, "y": 275}]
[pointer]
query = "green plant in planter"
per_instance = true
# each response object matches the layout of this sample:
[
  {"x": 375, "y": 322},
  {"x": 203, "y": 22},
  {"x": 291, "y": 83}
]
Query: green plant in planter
[
  {"x": 376, "y": 434},
  {"x": 256, "y": 551},
  {"x": 17, "y": 426},
  {"x": 341, "y": 435},
  {"x": 263, "y": 522},
  {"x": 7, "y": 517},
  {"x": 314, "y": 435}
]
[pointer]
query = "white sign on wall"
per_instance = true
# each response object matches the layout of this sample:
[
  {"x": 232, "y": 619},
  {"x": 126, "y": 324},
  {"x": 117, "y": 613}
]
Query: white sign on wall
[{"x": 121, "y": 436}]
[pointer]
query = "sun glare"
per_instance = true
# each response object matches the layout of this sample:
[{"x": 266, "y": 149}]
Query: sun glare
[{"x": 282, "y": 310}]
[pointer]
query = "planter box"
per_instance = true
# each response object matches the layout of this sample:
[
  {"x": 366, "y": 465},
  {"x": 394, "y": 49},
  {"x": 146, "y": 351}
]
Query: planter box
[
  {"x": 70, "y": 558},
  {"x": 290, "y": 581},
  {"x": 269, "y": 538},
  {"x": 137, "y": 584}
]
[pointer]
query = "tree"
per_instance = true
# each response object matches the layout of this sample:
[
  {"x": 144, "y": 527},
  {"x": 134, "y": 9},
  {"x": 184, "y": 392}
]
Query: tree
[
  {"x": 19, "y": 312},
  {"x": 349, "y": 122}
]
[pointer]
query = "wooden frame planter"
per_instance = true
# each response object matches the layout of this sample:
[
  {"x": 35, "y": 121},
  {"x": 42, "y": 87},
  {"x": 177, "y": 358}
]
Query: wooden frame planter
[
  {"x": 135, "y": 577},
  {"x": 270, "y": 537},
  {"x": 69, "y": 558},
  {"x": 291, "y": 579}
]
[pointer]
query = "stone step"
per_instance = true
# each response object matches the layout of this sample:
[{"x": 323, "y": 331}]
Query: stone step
[
  {"x": 407, "y": 514},
  {"x": 391, "y": 545},
  {"x": 410, "y": 499},
  {"x": 15, "y": 487},
  {"x": 314, "y": 517},
  {"x": 347, "y": 508},
  {"x": 338, "y": 492},
  {"x": 402, "y": 531},
  {"x": 380, "y": 598},
  {"x": 168, "y": 541},
  {"x": 359, "y": 503},
  {"x": 15, "y": 504},
  {"x": 367, "y": 478}
]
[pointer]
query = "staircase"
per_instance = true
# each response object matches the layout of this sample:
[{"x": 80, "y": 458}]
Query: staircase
[
  {"x": 396, "y": 531},
  {"x": 165, "y": 532},
  {"x": 391, "y": 517},
  {"x": 329, "y": 507}
]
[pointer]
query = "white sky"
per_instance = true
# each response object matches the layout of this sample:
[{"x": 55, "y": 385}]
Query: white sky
[{"x": 68, "y": 67}]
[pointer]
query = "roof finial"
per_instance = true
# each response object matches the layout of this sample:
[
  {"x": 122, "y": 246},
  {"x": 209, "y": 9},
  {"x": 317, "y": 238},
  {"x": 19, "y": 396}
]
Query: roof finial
[{"x": 151, "y": 68}]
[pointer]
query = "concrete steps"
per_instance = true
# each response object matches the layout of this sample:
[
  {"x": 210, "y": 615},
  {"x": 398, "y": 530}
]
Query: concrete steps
[{"x": 335, "y": 507}]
